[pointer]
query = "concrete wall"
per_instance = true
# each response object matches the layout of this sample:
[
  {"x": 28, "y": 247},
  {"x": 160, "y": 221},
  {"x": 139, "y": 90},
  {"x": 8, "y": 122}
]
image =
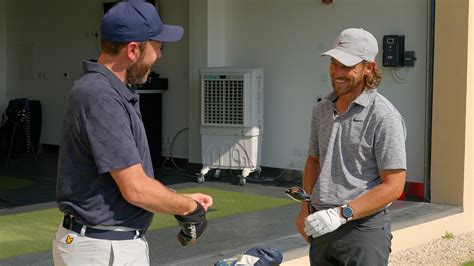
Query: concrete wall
[
  {"x": 449, "y": 149},
  {"x": 468, "y": 187}
]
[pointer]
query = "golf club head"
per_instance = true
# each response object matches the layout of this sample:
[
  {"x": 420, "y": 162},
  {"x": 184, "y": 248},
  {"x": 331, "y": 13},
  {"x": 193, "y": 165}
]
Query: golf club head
[{"x": 298, "y": 194}]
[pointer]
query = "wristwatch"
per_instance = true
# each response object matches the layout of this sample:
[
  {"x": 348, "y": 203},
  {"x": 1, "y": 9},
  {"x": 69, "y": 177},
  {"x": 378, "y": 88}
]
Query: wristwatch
[{"x": 347, "y": 212}]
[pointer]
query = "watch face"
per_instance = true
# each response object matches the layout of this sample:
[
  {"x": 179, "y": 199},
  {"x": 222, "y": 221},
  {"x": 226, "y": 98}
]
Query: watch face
[{"x": 347, "y": 212}]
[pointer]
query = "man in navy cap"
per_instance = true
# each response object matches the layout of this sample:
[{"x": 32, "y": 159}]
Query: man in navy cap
[
  {"x": 105, "y": 184},
  {"x": 356, "y": 160}
]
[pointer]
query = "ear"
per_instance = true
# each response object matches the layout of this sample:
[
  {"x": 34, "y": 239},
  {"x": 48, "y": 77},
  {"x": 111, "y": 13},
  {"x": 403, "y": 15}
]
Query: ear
[
  {"x": 369, "y": 67},
  {"x": 133, "y": 51}
]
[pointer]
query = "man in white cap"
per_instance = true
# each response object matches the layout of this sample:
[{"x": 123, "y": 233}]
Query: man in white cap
[
  {"x": 356, "y": 160},
  {"x": 105, "y": 184}
]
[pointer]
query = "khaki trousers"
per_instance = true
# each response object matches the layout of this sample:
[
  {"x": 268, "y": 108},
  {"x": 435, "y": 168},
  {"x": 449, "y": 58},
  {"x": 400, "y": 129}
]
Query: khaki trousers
[{"x": 70, "y": 248}]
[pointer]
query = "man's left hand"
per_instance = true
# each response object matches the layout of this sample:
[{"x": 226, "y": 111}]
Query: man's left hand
[
  {"x": 205, "y": 200},
  {"x": 323, "y": 222}
]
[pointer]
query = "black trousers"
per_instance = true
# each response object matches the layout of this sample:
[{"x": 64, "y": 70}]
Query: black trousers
[{"x": 366, "y": 241}]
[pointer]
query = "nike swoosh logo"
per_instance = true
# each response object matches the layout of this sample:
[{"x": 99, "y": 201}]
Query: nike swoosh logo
[{"x": 355, "y": 119}]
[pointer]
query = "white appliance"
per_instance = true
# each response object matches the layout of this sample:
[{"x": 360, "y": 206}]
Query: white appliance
[{"x": 231, "y": 120}]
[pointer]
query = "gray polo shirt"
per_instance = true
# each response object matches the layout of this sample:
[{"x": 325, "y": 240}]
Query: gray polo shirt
[
  {"x": 354, "y": 146},
  {"x": 102, "y": 131}
]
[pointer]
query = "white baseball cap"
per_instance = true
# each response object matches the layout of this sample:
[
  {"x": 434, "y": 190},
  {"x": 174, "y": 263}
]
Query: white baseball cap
[{"x": 354, "y": 45}]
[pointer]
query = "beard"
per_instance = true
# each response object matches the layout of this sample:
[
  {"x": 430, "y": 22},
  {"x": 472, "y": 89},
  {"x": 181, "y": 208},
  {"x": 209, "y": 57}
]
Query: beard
[
  {"x": 349, "y": 85},
  {"x": 137, "y": 73}
]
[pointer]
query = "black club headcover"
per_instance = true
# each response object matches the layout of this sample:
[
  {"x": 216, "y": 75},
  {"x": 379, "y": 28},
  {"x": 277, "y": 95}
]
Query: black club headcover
[{"x": 192, "y": 225}]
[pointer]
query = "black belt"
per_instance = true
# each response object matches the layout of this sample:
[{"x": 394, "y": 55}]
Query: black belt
[{"x": 71, "y": 224}]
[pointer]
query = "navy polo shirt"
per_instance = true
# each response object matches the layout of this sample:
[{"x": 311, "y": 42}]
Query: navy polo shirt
[{"x": 102, "y": 131}]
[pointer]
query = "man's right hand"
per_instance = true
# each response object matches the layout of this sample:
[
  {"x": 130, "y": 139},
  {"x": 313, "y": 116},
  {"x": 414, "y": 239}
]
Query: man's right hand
[{"x": 300, "y": 221}]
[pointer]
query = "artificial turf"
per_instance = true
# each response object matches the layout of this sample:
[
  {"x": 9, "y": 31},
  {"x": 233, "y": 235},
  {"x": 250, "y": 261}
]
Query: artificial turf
[
  {"x": 31, "y": 232},
  {"x": 7, "y": 182}
]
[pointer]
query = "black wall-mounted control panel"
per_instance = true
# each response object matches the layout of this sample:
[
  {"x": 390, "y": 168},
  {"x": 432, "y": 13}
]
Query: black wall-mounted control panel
[{"x": 393, "y": 50}]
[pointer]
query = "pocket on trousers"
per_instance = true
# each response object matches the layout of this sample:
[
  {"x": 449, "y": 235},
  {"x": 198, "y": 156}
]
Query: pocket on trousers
[
  {"x": 63, "y": 239},
  {"x": 373, "y": 223},
  {"x": 131, "y": 252},
  {"x": 71, "y": 248},
  {"x": 61, "y": 249}
]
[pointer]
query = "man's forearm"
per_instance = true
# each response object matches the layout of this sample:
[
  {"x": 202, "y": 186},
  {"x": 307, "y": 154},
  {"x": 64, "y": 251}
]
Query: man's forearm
[
  {"x": 149, "y": 194},
  {"x": 155, "y": 197},
  {"x": 381, "y": 195}
]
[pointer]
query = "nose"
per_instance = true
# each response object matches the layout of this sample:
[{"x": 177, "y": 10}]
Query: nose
[
  {"x": 338, "y": 71},
  {"x": 157, "y": 54}
]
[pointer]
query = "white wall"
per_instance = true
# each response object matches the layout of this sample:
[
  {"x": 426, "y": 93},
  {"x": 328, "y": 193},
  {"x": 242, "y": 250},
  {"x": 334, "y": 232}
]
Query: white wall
[
  {"x": 198, "y": 53},
  {"x": 216, "y": 36},
  {"x": 174, "y": 65},
  {"x": 286, "y": 38},
  {"x": 3, "y": 55},
  {"x": 45, "y": 40},
  {"x": 207, "y": 44},
  {"x": 48, "y": 38}
]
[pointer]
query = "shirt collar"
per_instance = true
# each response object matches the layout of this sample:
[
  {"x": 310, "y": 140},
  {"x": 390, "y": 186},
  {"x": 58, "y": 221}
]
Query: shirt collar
[
  {"x": 363, "y": 99},
  {"x": 117, "y": 84},
  {"x": 366, "y": 97}
]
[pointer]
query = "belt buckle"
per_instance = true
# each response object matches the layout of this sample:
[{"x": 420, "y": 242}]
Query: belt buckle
[
  {"x": 68, "y": 221},
  {"x": 141, "y": 233}
]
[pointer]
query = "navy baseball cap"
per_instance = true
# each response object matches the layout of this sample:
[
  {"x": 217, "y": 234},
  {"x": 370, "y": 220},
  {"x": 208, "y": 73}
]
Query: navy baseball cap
[{"x": 136, "y": 21}]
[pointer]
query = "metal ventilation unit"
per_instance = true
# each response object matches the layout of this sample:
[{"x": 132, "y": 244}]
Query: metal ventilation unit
[{"x": 231, "y": 120}]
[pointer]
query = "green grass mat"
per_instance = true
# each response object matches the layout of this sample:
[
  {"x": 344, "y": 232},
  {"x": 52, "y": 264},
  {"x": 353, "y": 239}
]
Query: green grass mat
[
  {"x": 33, "y": 231},
  {"x": 7, "y": 182}
]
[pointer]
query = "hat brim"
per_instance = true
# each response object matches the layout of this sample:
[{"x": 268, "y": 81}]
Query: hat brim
[
  {"x": 342, "y": 56},
  {"x": 170, "y": 33}
]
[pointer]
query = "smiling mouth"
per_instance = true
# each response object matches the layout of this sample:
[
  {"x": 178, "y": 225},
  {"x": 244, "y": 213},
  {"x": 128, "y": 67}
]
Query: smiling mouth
[{"x": 338, "y": 80}]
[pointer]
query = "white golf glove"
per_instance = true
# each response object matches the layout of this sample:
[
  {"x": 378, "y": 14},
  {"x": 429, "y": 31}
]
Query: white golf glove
[{"x": 323, "y": 222}]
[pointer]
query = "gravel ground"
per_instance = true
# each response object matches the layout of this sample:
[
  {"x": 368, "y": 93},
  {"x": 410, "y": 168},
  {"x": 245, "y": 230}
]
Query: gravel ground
[{"x": 443, "y": 251}]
